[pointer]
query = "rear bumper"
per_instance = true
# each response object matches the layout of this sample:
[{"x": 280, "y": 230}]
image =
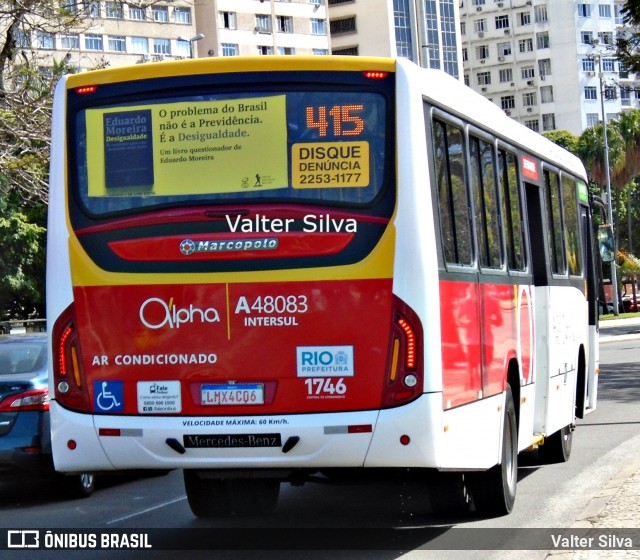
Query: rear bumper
[{"x": 353, "y": 439}]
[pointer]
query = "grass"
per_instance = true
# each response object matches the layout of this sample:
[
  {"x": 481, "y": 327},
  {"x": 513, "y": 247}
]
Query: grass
[{"x": 621, "y": 316}]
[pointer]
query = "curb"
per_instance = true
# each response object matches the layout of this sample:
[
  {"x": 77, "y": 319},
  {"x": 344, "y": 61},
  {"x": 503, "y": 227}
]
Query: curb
[{"x": 594, "y": 515}]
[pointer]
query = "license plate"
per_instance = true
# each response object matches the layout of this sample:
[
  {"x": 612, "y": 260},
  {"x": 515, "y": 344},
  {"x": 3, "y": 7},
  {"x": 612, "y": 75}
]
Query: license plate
[{"x": 232, "y": 394}]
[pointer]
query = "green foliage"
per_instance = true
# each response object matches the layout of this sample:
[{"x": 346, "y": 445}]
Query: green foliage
[
  {"x": 629, "y": 265},
  {"x": 628, "y": 43},
  {"x": 565, "y": 139},
  {"x": 22, "y": 260},
  {"x": 27, "y": 80},
  {"x": 591, "y": 151}
]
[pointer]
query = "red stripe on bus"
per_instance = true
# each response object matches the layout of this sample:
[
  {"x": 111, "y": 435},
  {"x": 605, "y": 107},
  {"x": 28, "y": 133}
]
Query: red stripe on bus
[{"x": 167, "y": 249}]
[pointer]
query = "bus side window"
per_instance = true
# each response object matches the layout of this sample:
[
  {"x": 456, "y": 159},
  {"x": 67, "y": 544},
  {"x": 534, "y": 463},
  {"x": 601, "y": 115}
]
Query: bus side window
[
  {"x": 485, "y": 198},
  {"x": 554, "y": 219},
  {"x": 511, "y": 209},
  {"x": 571, "y": 225},
  {"x": 452, "y": 193}
]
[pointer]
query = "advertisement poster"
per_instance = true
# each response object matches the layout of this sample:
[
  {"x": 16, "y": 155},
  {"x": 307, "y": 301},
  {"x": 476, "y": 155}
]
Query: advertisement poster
[{"x": 226, "y": 145}]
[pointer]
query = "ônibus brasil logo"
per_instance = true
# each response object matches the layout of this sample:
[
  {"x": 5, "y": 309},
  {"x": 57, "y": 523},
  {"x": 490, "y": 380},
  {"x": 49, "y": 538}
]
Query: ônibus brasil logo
[{"x": 156, "y": 313}]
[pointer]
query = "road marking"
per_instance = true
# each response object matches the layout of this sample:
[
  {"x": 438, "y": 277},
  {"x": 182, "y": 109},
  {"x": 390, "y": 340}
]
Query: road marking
[{"x": 147, "y": 510}]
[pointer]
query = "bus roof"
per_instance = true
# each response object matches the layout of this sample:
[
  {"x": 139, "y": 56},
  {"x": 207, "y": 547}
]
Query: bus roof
[{"x": 231, "y": 64}]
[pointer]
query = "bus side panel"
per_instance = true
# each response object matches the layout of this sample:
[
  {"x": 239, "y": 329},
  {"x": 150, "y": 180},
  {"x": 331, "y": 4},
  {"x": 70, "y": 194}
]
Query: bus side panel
[
  {"x": 483, "y": 325},
  {"x": 593, "y": 370},
  {"x": 472, "y": 435},
  {"x": 560, "y": 313},
  {"x": 59, "y": 293}
]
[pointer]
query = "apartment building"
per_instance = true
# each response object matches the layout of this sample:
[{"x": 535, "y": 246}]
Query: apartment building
[
  {"x": 549, "y": 64},
  {"x": 262, "y": 27},
  {"x": 113, "y": 33},
  {"x": 116, "y": 33},
  {"x": 425, "y": 31}
]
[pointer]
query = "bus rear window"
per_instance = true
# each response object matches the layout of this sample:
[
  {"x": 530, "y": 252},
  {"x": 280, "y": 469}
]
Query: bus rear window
[{"x": 292, "y": 146}]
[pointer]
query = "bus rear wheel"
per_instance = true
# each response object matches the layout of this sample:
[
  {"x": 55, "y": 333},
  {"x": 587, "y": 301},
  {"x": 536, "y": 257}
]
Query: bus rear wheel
[
  {"x": 494, "y": 491},
  {"x": 215, "y": 497},
  {"x": 254, "y": 496},
  {"x": 207, "y": 497},
  {"x": 557, "y": 447}
]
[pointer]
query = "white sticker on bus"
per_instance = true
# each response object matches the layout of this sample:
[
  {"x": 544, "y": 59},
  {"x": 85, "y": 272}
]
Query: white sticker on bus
[
  {"x": 325, "y": 361},
  {"x": 157, "y": 397}
]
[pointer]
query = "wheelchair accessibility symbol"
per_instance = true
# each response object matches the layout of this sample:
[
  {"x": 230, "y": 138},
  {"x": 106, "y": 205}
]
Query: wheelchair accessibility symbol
[{"x": 108, "y": 396}]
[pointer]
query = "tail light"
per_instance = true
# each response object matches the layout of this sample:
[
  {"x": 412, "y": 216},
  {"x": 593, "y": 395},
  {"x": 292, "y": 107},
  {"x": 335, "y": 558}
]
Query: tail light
[
  {"x": 34, "y": 399},
  {"x": 68, "y": 377},
  {"x": 375, "y": 74},
  {"x": 405, "y": 377},
  {"x": 84, "y": 90}
]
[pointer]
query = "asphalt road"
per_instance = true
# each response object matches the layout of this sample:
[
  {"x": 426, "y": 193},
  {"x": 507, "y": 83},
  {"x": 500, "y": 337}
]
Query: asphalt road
[{"x": 394, "y": 515}]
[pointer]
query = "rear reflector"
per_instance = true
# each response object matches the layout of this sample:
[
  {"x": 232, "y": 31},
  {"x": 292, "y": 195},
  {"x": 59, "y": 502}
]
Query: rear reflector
[
  {"x": 353, "y": 429},
  {"x": 109, "y": 432}
]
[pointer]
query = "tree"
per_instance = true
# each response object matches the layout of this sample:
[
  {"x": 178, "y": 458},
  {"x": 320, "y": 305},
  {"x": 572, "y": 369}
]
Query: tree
[
  {"x": 27, "y": 79},
  {"x": 565, "y": 139},
  {"x": 628, "y": 42},
  {"x": 628, "y": 126},
  {"x": 629, "y": 270},
  {"x": 21, "y": 263},
  {"x": 590, "y": 149}
]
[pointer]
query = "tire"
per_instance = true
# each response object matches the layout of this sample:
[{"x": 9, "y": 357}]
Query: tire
[
  {"x": 207, "y": 497},
  {"x": 494, "y": 491},
  {"x": 557, "y": 447},
  {"x": 79, "y": 485},
  {"x": 254, "y": 496},
  {"x": 448, "y": 494}
]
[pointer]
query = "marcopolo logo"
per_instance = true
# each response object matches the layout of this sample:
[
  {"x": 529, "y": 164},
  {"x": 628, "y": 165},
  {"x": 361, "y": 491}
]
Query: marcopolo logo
[
  {"x": 324, "y": 361},
  {"x": 189, "y": 247},
  {"x": 155, "y": 313}
]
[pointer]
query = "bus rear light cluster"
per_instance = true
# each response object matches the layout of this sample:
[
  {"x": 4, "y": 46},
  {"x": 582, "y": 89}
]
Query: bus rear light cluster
[
  {"x": 67, "y": 366},
  {"x": 405, "y": 372}
]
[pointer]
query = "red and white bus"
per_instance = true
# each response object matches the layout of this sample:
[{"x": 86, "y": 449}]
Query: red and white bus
[{"x": 263, "y": 268}]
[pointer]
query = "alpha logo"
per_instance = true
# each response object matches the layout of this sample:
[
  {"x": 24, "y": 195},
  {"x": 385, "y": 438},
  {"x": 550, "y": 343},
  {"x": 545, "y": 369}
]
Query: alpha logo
[
  {"x": 189, "y": 247},
  {"x": 156, "y": 313},
  {"x": 324, "y": 361}
]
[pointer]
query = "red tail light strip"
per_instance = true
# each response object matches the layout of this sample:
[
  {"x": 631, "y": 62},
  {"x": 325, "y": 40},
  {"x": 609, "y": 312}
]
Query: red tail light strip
[
  {"x": 63, "y": 367},
  {"x": 410, "y": 352}
]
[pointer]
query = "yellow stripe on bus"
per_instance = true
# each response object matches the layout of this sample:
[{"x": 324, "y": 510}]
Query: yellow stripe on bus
[{"x": 230, "y": 64}]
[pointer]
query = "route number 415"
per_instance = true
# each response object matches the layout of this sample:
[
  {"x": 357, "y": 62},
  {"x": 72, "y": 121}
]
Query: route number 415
[
  {"x": 346, "y": 121},
  {"x": 325, "y": 386}
]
